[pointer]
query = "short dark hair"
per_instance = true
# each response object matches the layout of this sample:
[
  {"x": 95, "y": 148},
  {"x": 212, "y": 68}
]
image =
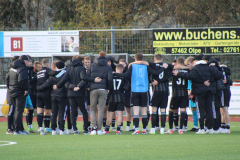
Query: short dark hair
[
  {"x": 198, "y": 58},
  {"x": 206, "y": 57},
  {"x": 180, "y": 60},
  {"x": 139, "y": 56},
  {"x": 158, "y": 56},
  {"x": 201, "y": 54},
  {"x": 174, "y": 61},
  {"x": 119, "y": 66},
  {"x": 15, "y": 58},
  {"x": 36, "y": 63},
  {"x": 72, "y": 38}
]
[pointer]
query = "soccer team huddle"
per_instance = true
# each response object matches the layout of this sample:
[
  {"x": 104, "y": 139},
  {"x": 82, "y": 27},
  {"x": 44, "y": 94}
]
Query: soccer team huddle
[{"x": 102, "y": 91}]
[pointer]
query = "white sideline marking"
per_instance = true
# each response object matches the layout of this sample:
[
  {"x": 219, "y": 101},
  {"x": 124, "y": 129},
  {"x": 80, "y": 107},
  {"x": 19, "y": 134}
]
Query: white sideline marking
[{"x": 7, "y": 143}]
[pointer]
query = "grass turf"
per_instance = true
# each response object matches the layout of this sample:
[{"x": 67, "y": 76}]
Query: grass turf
[{"x": 125, "y": 146}]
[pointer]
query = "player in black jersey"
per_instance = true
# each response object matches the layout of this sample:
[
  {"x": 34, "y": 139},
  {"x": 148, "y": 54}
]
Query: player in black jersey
[
  {"x": 160, "y": 92},
  {"x": 179, "y": 97},
  {"x": 44, "y": 99},
  {"x": 225, "y": 98},
  {"x": 127, "y": 95},
  {"x": 116, "y": 100}
]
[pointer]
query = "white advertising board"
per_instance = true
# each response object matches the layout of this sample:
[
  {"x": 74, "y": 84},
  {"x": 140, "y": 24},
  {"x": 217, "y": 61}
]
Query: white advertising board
[{"x": 40, "y": 43}]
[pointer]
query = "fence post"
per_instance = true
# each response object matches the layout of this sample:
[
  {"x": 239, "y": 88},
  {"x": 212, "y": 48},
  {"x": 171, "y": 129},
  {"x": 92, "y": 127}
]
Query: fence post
[{"x": 112, "y": 39}]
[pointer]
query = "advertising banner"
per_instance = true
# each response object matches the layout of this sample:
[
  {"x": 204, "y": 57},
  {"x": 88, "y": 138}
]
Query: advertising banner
[
  {"x": 196, "y": 41},
  {"x": 40, "y": 43}
]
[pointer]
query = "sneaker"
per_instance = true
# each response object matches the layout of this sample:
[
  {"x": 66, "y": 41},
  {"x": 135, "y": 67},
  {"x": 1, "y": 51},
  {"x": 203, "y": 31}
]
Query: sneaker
[
  {"x": 200, "y": 131},
  {"x": 162, "y": 131},
  {"x": 136, "y": 132},
  {"x": 25, "y": 132},
  {"x": 70, "y": 131},
  {"x": 184, "y": 129},
  {"x": 118, "y": 132},
  {"x": 170, "y": 131},
  {"x": 100, "y": 132},
  {"x": 193, "y": 129},
  {"x": 16, "y": 133},
  {"x": 9, "y": 131},
  {"x": 89, "y": 129},
  {"x": 225, "y": 131},
  {"x": 30, "y": 130},
  {"x": 86, "y": 132},
  {"x": 121, "y": 128},
  {"x": 42, "y": 132},
  {"x": 58, "y": 130},
  {"x": 216, "y": 131},
  {"x": 54, "y": 132},
  {"x": 77, "y": 132},
  {"x": 106, "y": 132},
  {"x": 63, "y": 132},
  {"x": 175, "y": 129},
  {"x": 157, "y": 128},
  {"x": 94, "y": 132},
  {"x": 127, "y": 128},
  {"x": 209, "y": 131},
  {"x": 113, "y": 129},
  {"x": 104, "y": 128},
  {"x": 180, "y": 131},
  {"x": 133, "y": 129},
  {"x": 152, "y": 131},
  {"x": 144, "y": 132},
  {"x": 48, "y": 130}
]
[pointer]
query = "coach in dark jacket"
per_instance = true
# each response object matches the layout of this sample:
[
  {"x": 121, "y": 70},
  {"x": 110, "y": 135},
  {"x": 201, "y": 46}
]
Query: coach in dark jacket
[
  {"x": 202, "y": 71},
  {"x": 58, "y": 96},
  {"x": 98, "y": 91},
  {"x": 76, "y": 76},
  {"x": 18, "y": 85}
]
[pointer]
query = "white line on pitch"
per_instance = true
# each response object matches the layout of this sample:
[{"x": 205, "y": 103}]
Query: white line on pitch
[{"x": 7, "y": 143}]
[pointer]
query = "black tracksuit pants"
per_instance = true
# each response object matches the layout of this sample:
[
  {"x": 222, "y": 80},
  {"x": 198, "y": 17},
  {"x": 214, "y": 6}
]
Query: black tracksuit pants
[
  {"x": 19, "y": 103},
  {"x": 59, "y": 108},
  {"x": 204, "y": 103},
  {"x": 74, "y": 103},
  {"x": 216, "y": 101}
]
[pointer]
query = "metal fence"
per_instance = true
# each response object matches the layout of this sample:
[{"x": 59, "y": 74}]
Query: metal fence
[
  {"x": 131, "y": 40},
  {"x": 5, "y": 62}
]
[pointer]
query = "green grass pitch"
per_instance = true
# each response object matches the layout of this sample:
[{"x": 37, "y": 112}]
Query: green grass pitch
[{"x": 126, "y": 146}]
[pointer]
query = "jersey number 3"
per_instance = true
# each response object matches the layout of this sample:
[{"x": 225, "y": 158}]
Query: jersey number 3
[{"x": 180, "y": 81}]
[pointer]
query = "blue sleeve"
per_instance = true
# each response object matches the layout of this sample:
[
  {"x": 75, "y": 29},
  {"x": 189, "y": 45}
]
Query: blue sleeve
[{"x": 189, "y": 85}]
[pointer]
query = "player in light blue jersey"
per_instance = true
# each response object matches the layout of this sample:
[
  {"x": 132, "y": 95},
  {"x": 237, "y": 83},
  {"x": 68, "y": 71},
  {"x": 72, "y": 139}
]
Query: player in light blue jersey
[{"x": 139, "y": 87}]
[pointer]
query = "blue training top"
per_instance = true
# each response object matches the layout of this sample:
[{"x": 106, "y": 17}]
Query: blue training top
[{"x": 139, "y": 78}]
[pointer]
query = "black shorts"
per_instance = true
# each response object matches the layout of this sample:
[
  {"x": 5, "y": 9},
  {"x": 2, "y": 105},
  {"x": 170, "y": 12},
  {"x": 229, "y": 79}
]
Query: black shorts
[
  {"x": 44, "y": 101},
  {"x": 226, "y": 96},
  {"x": 34, "y": 100},
  {"x": 179, "y": 102},
  {"x": 140, "y": 99},
  {"x": 128, "y": 99},
  {"x": 113, "y": 106},
  {"x": 160, "y": 99}
]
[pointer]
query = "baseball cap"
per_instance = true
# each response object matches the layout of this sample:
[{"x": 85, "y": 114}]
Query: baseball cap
[{"x": 25, "y": 57}]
